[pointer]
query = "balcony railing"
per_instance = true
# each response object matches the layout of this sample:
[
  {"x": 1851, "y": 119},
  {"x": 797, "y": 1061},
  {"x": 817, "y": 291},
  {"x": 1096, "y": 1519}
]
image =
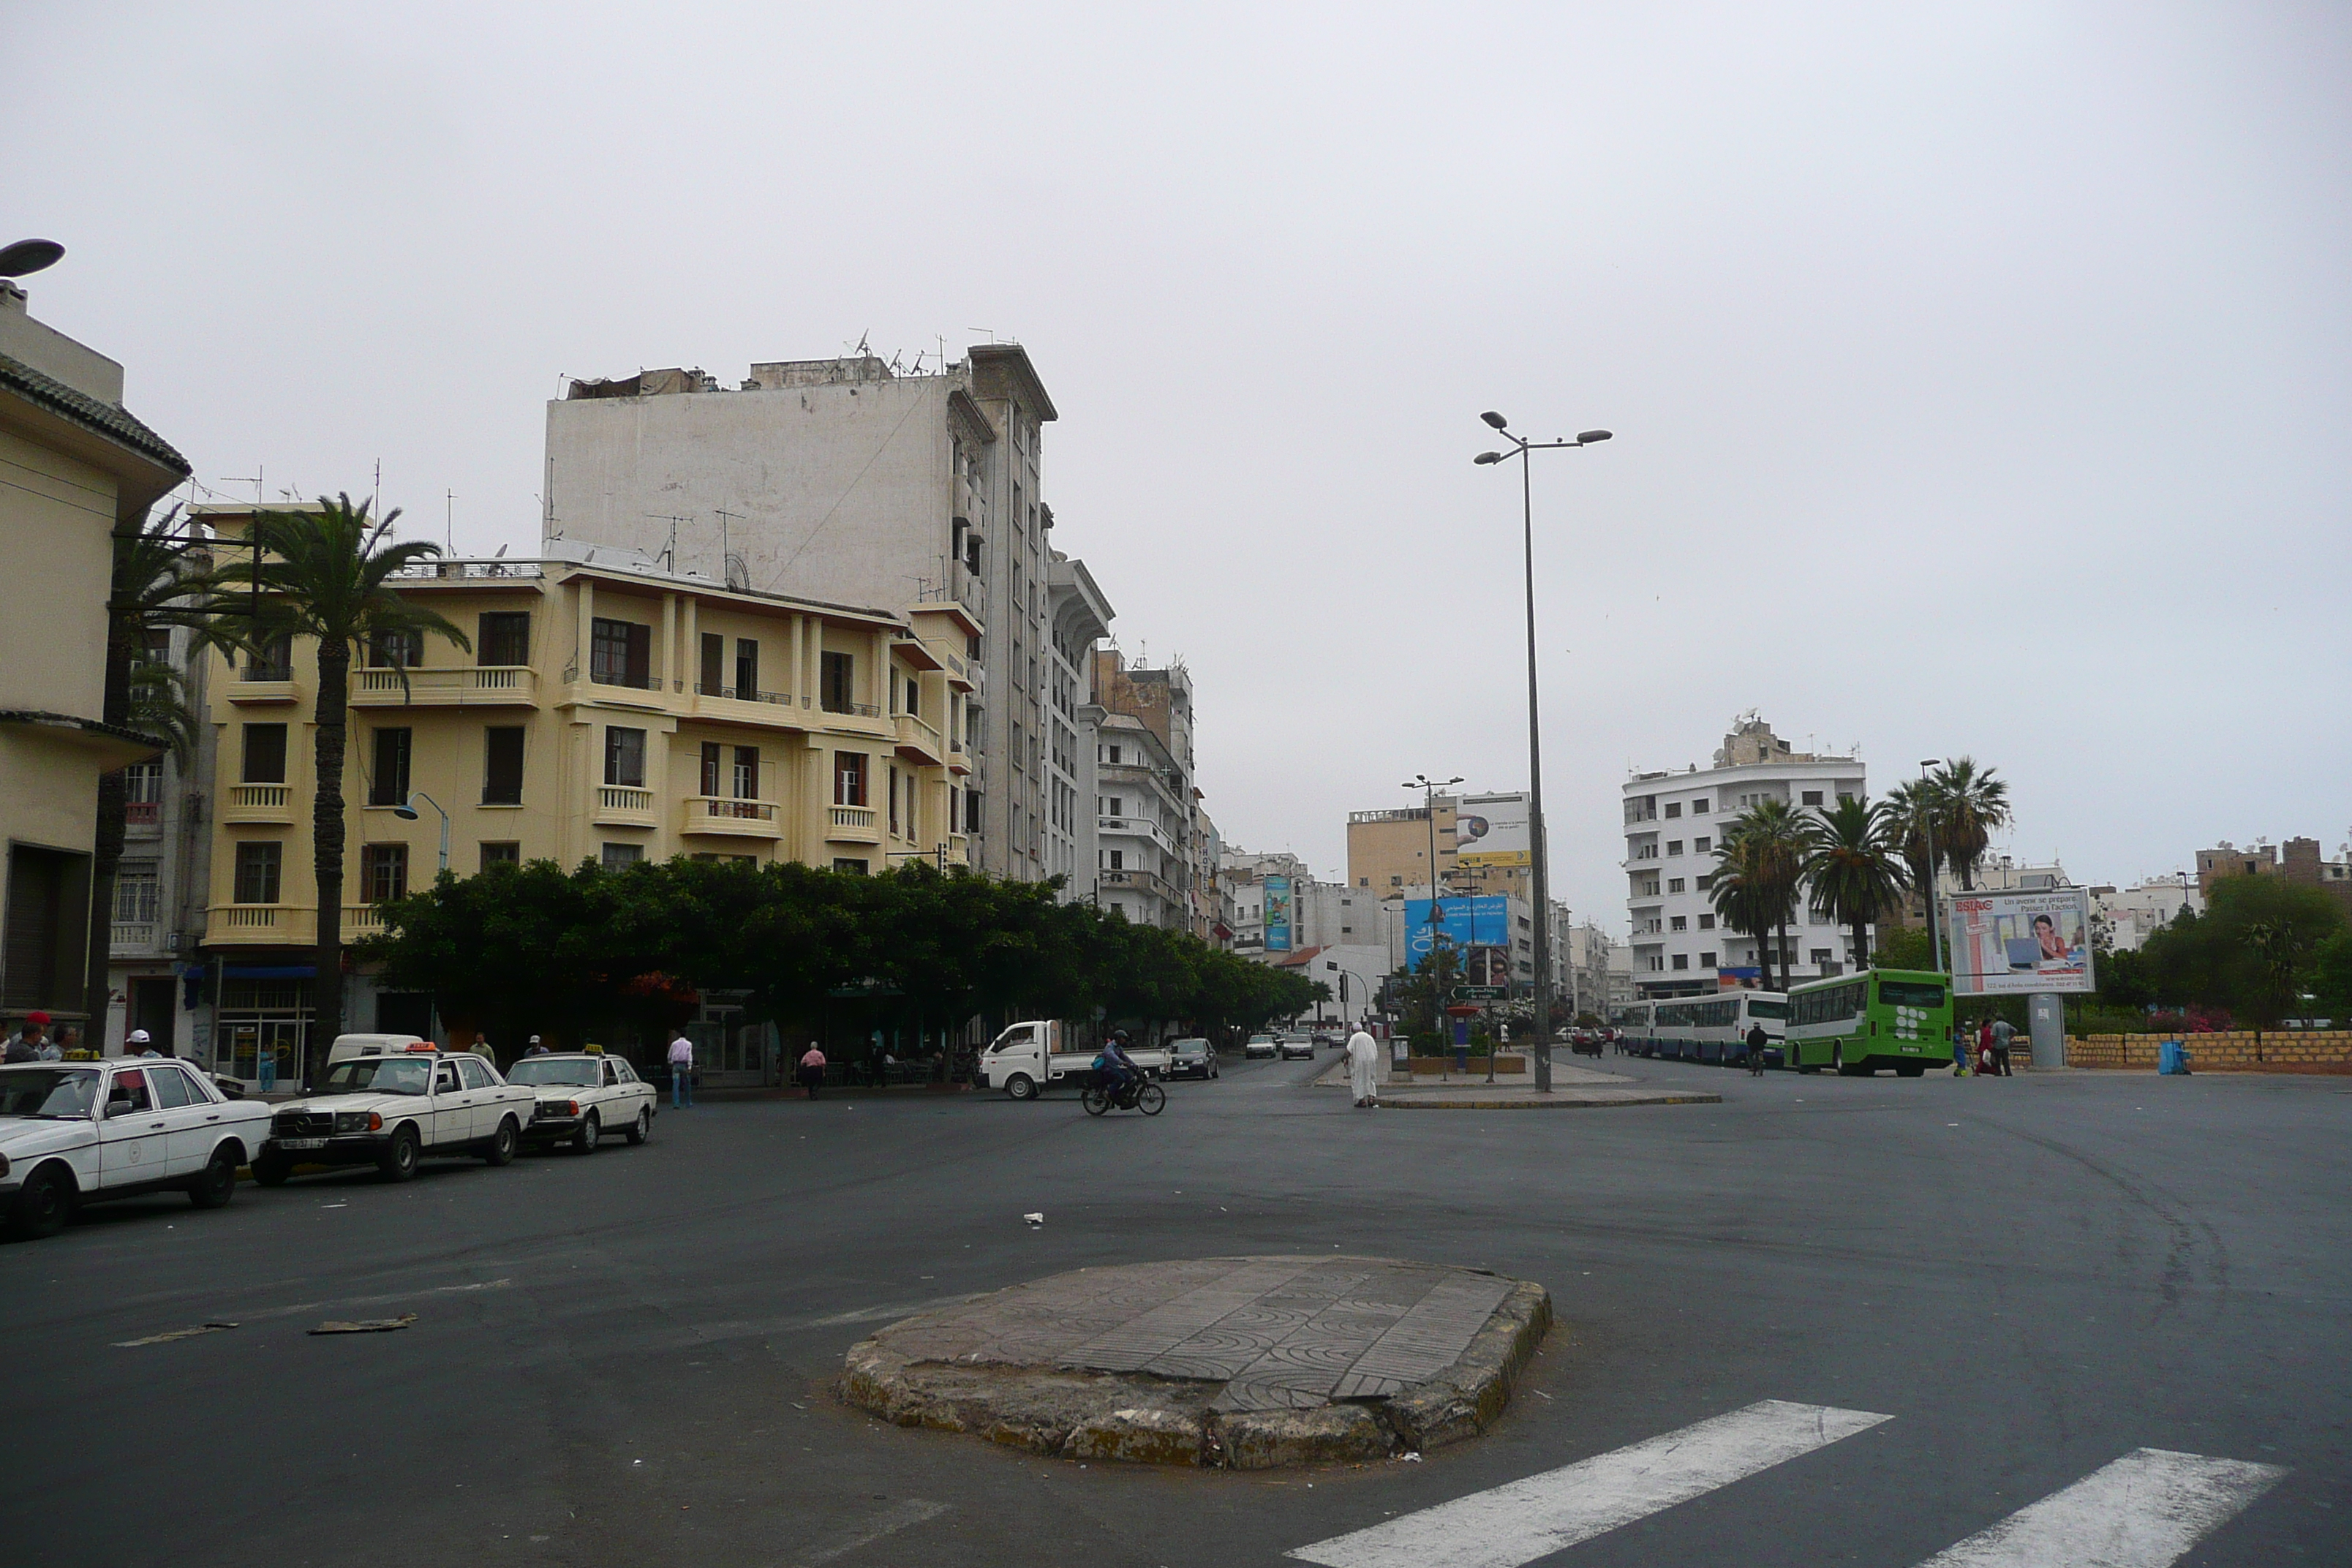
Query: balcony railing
[
  {"x": 363, "y": 919},
  {"x": 922, "y": 741},
  {"x": 258, "y": 802},
  {"x": 731, "y": 817},
  {"x": 855, "y": 709},
  {"x": 250, "y": 916},
  {"x": 142, "y": 814},
  {"x": 131, "y": 933},
  {"x": 479, "y": 685},
  {"x": 745, "y": 694},
  {"x": 262, "y": 683},
  {"x": 854, "y": 825}
]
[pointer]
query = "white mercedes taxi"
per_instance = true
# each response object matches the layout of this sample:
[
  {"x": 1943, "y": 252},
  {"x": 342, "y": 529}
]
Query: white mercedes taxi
[
  {"x": 392, "y": 1101},
  {"x": 74, "y": 1132},
  {"x": 583, "y": 1096}
]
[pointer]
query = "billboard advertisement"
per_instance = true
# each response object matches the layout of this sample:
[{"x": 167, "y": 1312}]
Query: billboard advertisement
[
  {"x": 2016, "y": 943},
  {"x": 1278, "y": 914},
  {"x": 1482, "y": 922},
  {"x": 1492, "y": 830}
]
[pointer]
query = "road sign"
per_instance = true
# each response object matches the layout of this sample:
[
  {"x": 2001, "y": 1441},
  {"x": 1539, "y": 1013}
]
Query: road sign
[{"x": 1481, "y": 993}]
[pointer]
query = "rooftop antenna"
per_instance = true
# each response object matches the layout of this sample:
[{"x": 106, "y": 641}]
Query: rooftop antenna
[
  {"x": 449, "y": 519},
  {"x": 375, "y": 499},
  {"x": 669, "y": 551},
  {"x": 726, "y": 575},
  {"x": 989, "y": 331}
]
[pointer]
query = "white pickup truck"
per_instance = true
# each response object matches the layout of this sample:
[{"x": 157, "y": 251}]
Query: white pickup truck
[
  {"x": 1030, "y": 1057},
  {"x": 391, "y": 1100}
]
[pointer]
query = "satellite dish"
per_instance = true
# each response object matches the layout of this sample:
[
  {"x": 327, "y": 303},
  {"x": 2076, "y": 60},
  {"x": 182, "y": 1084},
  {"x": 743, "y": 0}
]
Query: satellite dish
[{"x": 28, "y": 255}]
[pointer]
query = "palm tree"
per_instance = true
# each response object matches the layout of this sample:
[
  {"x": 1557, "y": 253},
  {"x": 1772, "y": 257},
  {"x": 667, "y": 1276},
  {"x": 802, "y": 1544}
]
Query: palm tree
[
  {"x": 1911, "y": 813},
  {"x": 325, "y": 575},
  {"x": 1853, "y": 866},
  {"x": 1972, "y": 805},
  {"x": 1761, "y": 873},
  {"x": 159, "y": 581}
]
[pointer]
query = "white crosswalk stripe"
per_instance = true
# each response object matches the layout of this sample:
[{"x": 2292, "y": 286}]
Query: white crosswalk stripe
[
  {"x": 1516, "y": 1524},
  {"x": 2145, "y": 1510}
]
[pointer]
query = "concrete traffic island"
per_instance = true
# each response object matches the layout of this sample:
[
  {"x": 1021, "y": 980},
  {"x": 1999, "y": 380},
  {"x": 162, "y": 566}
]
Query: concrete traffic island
[
  {"x": 1573, "y": 1088},
  {"x": 1226, "y": 1362}
]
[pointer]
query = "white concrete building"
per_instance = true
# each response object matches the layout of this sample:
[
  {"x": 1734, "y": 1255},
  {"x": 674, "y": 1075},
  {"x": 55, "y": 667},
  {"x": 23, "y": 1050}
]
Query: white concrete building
[
  {"x": 1079, "y": 616},
  {"x": 844, "y": 481},
  {"x": 1674, "y": 822},
  {"x": 2125, "y": 918},
  {"x": 1587, "y": 952},
  {"x": 1141, "y": 825}
]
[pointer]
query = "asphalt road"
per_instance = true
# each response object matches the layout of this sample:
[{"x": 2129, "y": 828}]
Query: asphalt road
[{"x": 625, "y": 1357}]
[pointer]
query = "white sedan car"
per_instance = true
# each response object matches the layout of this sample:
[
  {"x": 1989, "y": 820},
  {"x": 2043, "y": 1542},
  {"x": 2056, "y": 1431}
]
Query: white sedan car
[
  {"x": 583, "y": 1095},
  {"x": 1261, "y": 1047},
  {"x": 75, "y": 1133}
]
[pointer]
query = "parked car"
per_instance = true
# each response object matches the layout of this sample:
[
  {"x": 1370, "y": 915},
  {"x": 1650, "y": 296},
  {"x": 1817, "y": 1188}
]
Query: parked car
[
  {"x": 392, "y": 1102},
  {"x": 1261, "y": 1047},
  {"x": 77, "y": 1132},
  {"x": 583, "y": 1095},
  {"x": 1192, "y": 1059},
  {"x": 1296, "y": 1047}
]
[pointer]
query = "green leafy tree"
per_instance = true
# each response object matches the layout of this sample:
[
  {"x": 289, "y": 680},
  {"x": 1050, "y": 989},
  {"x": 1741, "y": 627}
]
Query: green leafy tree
[
  {"x": 2331, "y": 974},
  {"x": 328, "y": 575},
  {"x": 1911, "y": 811},
  {"x": 2247, "y": 953},
  {"x": 1853, "y": 867},
  {"x": 1971, "y": 804},
  {"x": 1905, "y": 947}
]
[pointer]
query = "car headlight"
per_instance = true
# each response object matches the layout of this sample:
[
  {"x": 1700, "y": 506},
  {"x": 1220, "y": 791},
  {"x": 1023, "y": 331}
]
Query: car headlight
[{"x": 358, "y": 1121}]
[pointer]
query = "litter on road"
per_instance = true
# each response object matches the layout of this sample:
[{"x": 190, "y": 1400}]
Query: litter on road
[{"x": 367, "y": 1325}]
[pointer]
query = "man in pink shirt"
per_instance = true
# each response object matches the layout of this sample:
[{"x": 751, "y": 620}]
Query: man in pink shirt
[{"x": 812, "y": 1073}]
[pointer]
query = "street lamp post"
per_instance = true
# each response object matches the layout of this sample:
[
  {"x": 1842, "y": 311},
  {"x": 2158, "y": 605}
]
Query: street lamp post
[
  {"x": 407, "y": 812},
  {"x": 1928, "y": 826},
  {"x": 1429, "y": 789},
  {"x": 1539, "y": 855}
]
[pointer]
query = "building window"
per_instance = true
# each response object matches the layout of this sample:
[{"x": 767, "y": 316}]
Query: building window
[
  {"x": 1821, "y": 956},
  {"x": 1845, "y": 796},
  {"x": 747, "y": 668},
  {"x": 402, "y": 650},
  {"x": 747, "y": 772},
  {"x": 1679, "y": 922},
  {"x": 837, "y": 671},
  {"x": 265, "y": 753},
  {"x": 383, "y": 872},
  {"x": 711, "y": 754},
  {"x": 617, "y": 856},
  {"x": 850, "y": 867},
  {"x": 504, "y": 638},
  {"x": 1674, "y": 808},
  {"x": 1701, "y": 846},
  {"x": 1674, "y": 846},
  {"x": 389, "y": 785},
  {"x": 138, "y": 892},
  {"x": 501, "y": 853},
  {"x": 1707, "y": 922},
  {"x": 625, "y": 757},
  {"x": 619, "y": 653},
  {"x": 258, "y": 864},
  {"x": 891, "y": 780},
  {"x": 1682, "y": 961},
  {"x": 1673, "y": 884},
  {"x": 849, "y": 778},
  {"x": 1707, "y": 881},
  {"x": 1707, "y": 961},
  {"x": 502, "y": 765},
  {"x": 1117, "y": 860},
  {"x": 1698, "y": 808}
]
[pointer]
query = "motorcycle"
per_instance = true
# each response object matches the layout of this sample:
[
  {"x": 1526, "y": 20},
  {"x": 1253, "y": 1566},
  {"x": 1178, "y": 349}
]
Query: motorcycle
[{"x": 1135, "y": 1094}]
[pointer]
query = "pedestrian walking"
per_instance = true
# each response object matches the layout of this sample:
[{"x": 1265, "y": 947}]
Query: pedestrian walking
[
  {"x": 681, "y": 1070},
  {"x": 1960, "y": 1049},
  {"x": 26, "y": 1045},
  {"x": 1984, "y": 1047},
  {"x": 1757, "y": 1040},
  {"x": 1363, "y": 1062},
  {"x": 812, "y": 1069},
  {"x": 140, "y": 1045},
  {"x": 2001, "y": 1035}
]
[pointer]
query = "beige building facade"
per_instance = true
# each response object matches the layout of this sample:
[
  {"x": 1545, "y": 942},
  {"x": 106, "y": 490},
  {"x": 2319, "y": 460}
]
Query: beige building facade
[{"x": 74, "y": 467}]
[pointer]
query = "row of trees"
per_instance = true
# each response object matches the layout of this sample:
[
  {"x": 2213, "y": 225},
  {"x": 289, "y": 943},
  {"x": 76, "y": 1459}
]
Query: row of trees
[
  {"x": 2264, "y": 950},
  {"x": 535, "y": 949},
  {"x": 1854, "y": 860}
]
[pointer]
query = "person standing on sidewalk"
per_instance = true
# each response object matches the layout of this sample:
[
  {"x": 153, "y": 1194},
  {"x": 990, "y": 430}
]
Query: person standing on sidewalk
[
  {"x": 1363, "y": 1067},
  {"x": 1960, "y": 1033},
  {"x": 1757, "y": 1040},
  {"x": 681, "y": 1070},
  {"x": 2001, "y": 1035}
]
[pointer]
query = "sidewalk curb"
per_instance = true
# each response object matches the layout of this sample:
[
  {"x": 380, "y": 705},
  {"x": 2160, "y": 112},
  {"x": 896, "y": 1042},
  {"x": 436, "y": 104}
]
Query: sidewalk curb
[{"x": 1556, "y": 1102}]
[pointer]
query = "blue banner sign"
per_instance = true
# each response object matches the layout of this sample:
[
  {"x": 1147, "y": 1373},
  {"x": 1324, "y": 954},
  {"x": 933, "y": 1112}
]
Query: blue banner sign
[
  {"x": 1482, "y": 922},
  {"x": 1278, "y": 914}
]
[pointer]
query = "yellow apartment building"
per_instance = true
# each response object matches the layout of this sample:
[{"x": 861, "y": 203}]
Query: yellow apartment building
[{"x": 609, "y": 709}]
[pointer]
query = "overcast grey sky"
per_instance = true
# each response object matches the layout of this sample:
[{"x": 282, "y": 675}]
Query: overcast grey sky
[{"x": 1980, "y": 373}]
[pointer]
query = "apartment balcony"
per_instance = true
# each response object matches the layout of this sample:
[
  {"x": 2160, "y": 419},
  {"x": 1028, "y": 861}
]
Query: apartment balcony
[
  {"x": 921, "y": 742},
  {"x": 143, "y": 819},
  {"x": 480, "y": 686},
  {"x": 958, "y": 758},
  {"x": 258, "y": 686},
  {"x": 852, "y": 824},
  {"x": 622, "y": 805},
  {"x": 1138, "y": 827},
  {"x": 363, "y": 919},
  {"x": 720, "y": 817},
  {"x": 270, "y": 803},
  {"x": 743, "y": 705},
  {"x": 260, "y": 925},
  {"x": 125, "y": 937},
  {"x": 1149, "y": 882}
]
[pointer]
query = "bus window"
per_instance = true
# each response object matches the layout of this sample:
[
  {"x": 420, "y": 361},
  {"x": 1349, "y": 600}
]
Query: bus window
[
  {"x": 1767, "y": 1009},
  {"x": 1910, "y": 994}
]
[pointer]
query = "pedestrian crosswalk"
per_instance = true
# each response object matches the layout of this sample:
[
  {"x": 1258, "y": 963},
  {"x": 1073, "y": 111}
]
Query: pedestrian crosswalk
[{"x": 2144, "y": 1510}]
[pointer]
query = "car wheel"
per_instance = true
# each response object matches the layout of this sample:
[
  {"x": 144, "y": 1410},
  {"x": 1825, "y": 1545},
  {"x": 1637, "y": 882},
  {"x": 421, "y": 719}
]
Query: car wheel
[
  {"x": 584, "y": 1141},
  {"x": 271, "y": 1169},
  {"x": 642, "y": 1128},
  {"x": 43, "y": 1204},
  {"x": 216, "y": 1183},
  {"x": 1021, "y": 1085},
  {"x": 399, "y": 1161},
  {"x": 503, "y": 1143}
]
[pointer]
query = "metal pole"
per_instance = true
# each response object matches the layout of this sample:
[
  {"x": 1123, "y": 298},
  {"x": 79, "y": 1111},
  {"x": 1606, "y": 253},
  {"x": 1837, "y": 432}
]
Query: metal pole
[
  {"x": 1928, "y": 825},
  {"x": 1535, "y": 794}
]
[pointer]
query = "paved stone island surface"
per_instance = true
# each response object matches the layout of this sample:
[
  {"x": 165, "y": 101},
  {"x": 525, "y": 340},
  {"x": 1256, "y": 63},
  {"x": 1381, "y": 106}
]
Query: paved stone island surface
[
  {"x": 1573, "y": 1088},
  {"x": 1246, "y": 1362}
]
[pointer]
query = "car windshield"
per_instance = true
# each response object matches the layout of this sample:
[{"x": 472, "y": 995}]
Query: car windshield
[
  {"x": 1192, "y": 1047},
  {"x": 380, "y": 1075},
  {"x": 550, "y": 1069},
  {"x": 1261, "y": 1039},
  {"x": 55, "y": 1094}
]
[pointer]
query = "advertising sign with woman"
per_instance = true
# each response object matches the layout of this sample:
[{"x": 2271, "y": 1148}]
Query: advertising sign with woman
[{"x": 2018, "y": 943}]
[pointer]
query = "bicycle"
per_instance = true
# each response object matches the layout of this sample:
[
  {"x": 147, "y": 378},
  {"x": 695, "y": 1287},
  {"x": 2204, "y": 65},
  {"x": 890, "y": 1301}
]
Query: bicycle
[{"x": 1137, "y": 1094}]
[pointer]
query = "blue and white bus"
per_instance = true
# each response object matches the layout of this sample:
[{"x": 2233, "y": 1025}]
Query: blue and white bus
[{"x": 1708, "y": 1028}]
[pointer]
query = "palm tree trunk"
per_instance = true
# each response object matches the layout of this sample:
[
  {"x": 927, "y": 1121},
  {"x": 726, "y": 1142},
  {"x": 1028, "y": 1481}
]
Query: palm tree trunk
[
  {"x": 1861, "y": 945},
  {"x": 1764, "y": 961},
  {"x": 327, "y": 835}
]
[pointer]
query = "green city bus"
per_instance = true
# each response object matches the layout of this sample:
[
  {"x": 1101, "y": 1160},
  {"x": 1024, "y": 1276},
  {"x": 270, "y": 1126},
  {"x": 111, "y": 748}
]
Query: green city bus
[{"x": 1898, "y": 1018}]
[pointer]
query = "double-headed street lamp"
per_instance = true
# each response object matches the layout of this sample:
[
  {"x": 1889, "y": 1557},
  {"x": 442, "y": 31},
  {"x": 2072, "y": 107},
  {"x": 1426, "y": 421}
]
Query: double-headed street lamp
[
  {"x": 1520, "y": 448},
  {"x": 1927, "y": 825}
]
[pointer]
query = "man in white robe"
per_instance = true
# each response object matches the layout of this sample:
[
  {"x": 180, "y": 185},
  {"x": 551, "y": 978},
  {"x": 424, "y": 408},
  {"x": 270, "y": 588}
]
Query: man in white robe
[{"x": 1363, "y": 1062}]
